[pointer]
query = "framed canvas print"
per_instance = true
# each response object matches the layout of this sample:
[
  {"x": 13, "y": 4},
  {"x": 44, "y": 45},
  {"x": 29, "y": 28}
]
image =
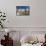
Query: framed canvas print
[
  {"x": 23, "y": 7},
  {"x": 22, "y": 10}
]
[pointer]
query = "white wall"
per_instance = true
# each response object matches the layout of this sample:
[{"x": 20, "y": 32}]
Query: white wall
[{"x": 37, "y": 19}]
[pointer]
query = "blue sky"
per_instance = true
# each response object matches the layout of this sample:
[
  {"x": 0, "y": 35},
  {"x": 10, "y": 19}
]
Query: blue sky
[{"x": 23, "y": 7}]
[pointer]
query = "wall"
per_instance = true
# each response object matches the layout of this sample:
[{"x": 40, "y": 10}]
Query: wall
[
  {"x": 34, "y": 22},
  {"x": 37, "y": 19}
]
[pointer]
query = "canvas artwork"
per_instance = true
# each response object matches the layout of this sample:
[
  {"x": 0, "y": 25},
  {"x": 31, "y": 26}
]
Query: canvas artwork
[
  {"x": 23, "y": 7},
  {"x": 22, "y": 10}
]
